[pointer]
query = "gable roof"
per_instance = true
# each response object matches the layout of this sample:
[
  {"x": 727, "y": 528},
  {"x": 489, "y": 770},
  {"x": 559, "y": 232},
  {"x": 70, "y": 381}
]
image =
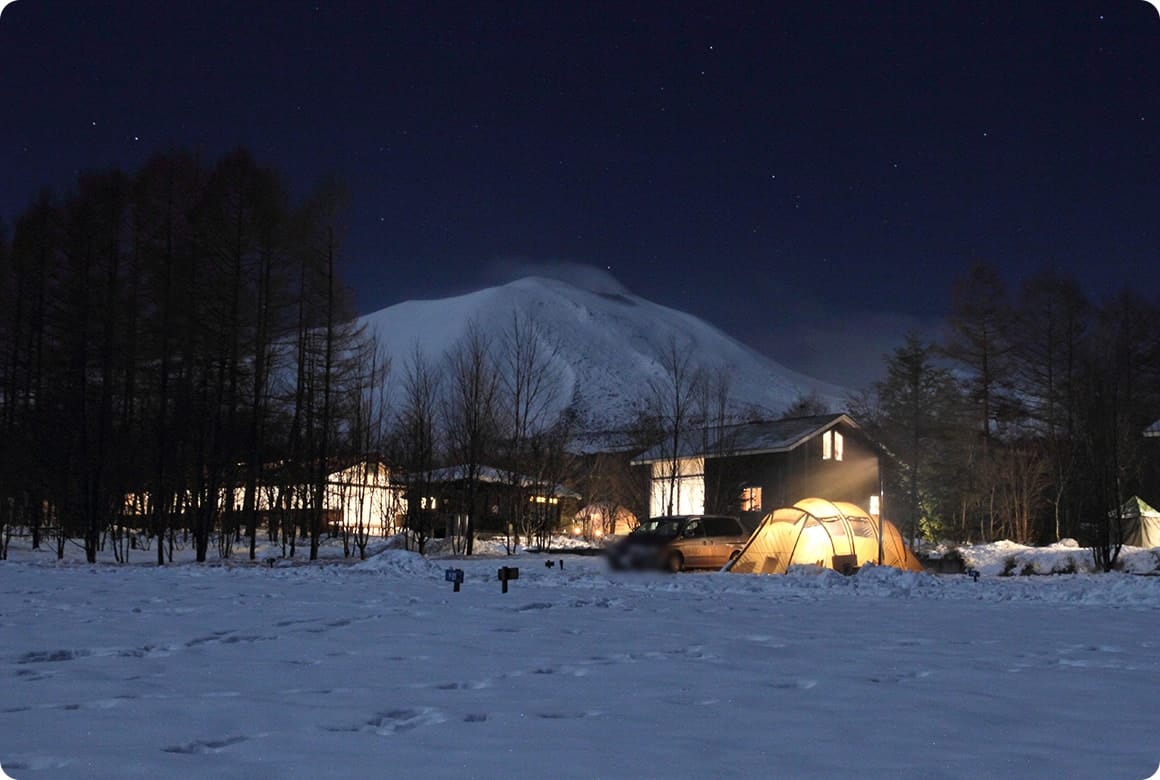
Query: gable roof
[{"x": 755, "y": 438}]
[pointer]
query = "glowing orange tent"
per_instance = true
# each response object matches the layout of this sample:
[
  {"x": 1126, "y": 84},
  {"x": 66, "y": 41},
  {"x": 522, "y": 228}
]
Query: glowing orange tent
[{"x": 836, "y": 535}]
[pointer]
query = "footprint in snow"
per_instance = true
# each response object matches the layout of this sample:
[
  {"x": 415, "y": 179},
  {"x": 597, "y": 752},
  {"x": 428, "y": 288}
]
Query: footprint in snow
[
  {"x": 566, "y": 715},
  {"x": 398, "y": 721},
  {"x": 203, "y": 746},
  {"x": 51, "y": 656},
  {"x": 461, "y": 686},
  {"x": 534, "y": 605}
]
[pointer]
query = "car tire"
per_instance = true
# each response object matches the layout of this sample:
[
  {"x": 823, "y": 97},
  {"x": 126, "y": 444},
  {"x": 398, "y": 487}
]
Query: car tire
[{"x": 674, "y": 563}]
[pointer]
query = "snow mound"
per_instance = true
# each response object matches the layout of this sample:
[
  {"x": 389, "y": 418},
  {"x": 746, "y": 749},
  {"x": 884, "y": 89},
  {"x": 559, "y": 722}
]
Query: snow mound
[
  {"x": 1006, "y": 558},
  {"x": 895, "y": 581},
  {"x": 400, "y": 563},
  {"x": 1138, "y": 560}
]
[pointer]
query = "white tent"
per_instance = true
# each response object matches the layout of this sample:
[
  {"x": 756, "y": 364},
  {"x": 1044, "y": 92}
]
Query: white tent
[{"x": 1141, "y": 523}]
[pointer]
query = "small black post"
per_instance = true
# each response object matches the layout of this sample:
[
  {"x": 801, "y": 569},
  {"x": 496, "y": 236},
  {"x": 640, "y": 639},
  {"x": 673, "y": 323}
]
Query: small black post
[
  {"x": 561, "y": 564},
  {"x": 507, "y": 573}
]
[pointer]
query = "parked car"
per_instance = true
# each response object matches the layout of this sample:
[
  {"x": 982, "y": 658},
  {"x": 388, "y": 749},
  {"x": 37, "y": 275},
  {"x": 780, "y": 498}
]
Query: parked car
[{"x": 680, "y": 542}]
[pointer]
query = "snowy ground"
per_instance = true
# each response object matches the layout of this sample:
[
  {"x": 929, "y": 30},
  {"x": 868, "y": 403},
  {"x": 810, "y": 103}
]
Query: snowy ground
[{"x": 379, "y": 670}]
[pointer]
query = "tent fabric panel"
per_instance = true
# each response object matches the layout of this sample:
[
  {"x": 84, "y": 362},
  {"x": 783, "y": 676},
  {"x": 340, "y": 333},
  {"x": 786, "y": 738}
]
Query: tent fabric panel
[
  {"x": 1149, "y": 533},
  {"x": 815, "y": 546},
  {"x": 818, "y": 507},
  {"x": 867, "y": 550},
  {"x": 895, "y": 552},
  {"x": 1142, "y": 531},
  {"x": 769, "y": 549},
  {"x": 851, "y": 510}
]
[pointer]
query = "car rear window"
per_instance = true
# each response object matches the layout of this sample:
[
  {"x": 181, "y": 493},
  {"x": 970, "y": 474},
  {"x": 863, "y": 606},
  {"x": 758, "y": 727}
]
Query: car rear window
[{"x": 722, "y": 526}]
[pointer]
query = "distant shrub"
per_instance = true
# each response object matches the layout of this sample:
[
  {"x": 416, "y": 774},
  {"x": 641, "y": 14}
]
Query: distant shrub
[
  {"x": 1008, "y": 566},
  {"x": 1027, "y": 570},
  {"x": 1067, "y": 568}
]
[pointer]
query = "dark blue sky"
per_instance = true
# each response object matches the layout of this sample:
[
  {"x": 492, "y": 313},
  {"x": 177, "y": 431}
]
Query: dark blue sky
[{"x": 809, "y": 176}]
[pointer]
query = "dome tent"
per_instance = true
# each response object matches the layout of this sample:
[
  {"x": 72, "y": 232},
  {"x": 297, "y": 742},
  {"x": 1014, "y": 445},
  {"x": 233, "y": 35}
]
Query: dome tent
[{"x": 836, "y": 535}]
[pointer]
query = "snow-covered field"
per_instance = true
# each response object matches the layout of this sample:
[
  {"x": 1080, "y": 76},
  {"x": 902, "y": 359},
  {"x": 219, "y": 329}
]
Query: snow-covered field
[{"x": 379, "y": 670}]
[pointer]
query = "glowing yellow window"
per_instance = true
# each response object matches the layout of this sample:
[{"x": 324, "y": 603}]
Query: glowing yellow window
[{"x": 832, "y": 445}]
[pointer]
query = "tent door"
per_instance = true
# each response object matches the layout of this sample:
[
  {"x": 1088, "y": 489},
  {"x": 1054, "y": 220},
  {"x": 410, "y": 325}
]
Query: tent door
[{"x": 845, "y": 564}]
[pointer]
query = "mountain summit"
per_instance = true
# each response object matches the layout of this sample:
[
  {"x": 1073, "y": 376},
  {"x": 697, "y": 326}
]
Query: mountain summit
[{"x": 608, "y": 346}]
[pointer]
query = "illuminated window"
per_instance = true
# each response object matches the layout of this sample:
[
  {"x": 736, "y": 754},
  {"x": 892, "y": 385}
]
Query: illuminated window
[
  {"x": 679, "y": 490},
  {"x": 832, "y": 445},
  {"x": 428, "y": 502},
  {"x": 751, "y": 499}
]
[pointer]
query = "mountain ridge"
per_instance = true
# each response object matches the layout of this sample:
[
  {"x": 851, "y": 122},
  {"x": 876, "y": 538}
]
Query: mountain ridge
[{"x": 607, "y": 346}]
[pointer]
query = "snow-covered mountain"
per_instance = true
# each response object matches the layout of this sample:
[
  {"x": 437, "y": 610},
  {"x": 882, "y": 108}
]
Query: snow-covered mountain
[{"x": 608, "y": 346}]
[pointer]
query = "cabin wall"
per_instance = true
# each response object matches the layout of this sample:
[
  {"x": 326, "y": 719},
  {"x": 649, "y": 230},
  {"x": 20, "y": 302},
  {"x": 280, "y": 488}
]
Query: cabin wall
[{"x": 784, "y": 478}]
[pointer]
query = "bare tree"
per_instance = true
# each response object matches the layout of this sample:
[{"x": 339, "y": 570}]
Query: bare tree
[
  {"x": 978, "y": 340},
  {"x": 1119, "y": 400},
  {"x": 718, "y": 434},
  {"x": 1023, "y": 479},
  {"x": 1051, "y": 319},
  {"x": 470, "y": 413},
  {"x": 416, "y": 442},
  {"x": 550, "y": 462},
  {"x": 528, "y": 393},
  {"x": 806, "y": 405},
  {"x": 366, "y": 434},
  {"x": 673, "y": 400}
]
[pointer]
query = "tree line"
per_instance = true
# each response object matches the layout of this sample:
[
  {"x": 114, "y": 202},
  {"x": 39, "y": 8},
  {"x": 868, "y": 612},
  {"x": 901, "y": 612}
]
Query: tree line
[
  {"x": 166, "y": 335},
  {"x": 1026, "y": 420},
  {"x": 180, "y": 362}
]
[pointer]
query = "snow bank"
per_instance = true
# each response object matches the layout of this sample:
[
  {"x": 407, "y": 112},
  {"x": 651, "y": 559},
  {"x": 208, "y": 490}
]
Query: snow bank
[
  {"x": 1064, "y": 557},
  {"x": 400, "y": 563}
]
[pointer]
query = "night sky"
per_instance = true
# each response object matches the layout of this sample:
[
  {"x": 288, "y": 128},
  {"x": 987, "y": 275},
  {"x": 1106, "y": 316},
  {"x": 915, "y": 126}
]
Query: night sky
[{"x": 809, "y": 176}]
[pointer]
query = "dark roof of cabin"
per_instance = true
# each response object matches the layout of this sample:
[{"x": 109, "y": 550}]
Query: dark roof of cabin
[
  {"x": 753, "y": 438},
  {"x": 492, "y": 475}
]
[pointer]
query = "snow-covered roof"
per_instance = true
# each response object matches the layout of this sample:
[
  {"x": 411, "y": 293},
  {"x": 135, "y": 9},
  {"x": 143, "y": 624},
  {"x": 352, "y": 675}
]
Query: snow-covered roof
[
  {"x": 756, "y": 438},
  {"x": 1153, "y": 429},
  {"x": 494, "y": 476}
]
